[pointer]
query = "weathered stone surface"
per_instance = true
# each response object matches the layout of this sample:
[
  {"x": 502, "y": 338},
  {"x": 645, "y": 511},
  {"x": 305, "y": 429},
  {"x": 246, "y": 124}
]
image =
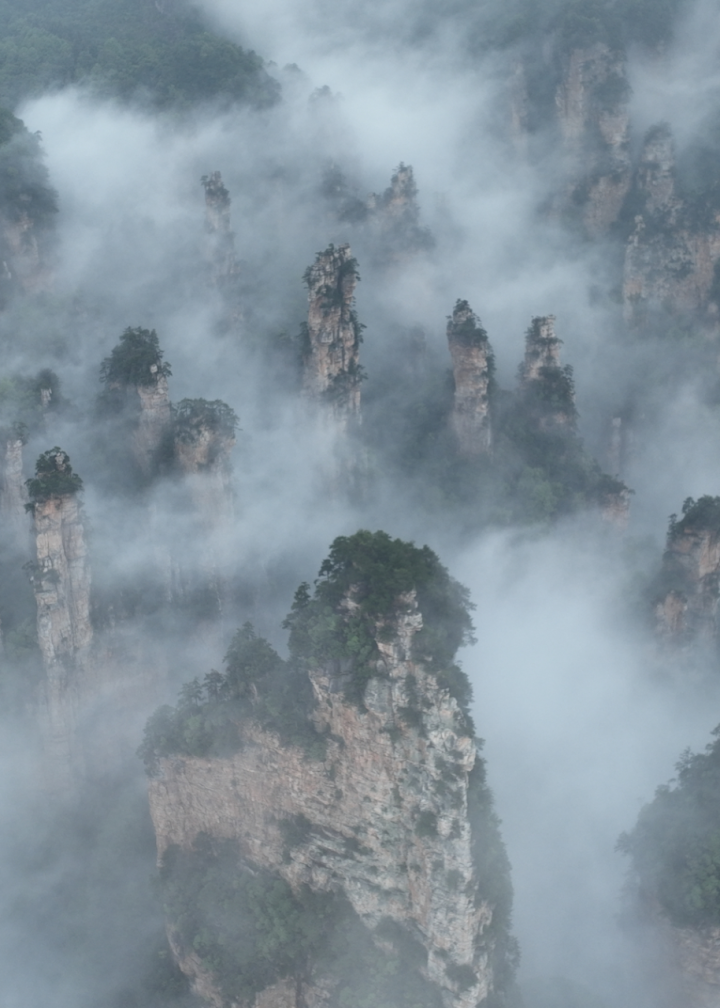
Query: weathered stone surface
[
  {"x": 387, "y": 808},
  {"x": 472, "y": 370},
  {"x": 394, "y": 216},
  {"x": 542, "y": 349},
  {"x": 696, "y": 952},
  {"x": 332, "y": 354},
  {"x": 153, "y": 422},
  {"x": 595, "y": 127},
  {"x": 62, "y": 591},
  {"x": 688, "y": 611},
  {"x": 24, "y": 262},
  {"x": 670, "y": 257}
]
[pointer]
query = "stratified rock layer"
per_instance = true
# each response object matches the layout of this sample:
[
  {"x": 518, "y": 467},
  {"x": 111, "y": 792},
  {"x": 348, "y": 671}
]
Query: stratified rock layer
[
  {"x": 472, "y": 370},
  {"x": 386, "y": 813}
]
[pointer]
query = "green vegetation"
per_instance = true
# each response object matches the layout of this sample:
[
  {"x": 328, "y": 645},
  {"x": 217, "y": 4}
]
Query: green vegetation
[
  {"x": 136, "y": 360},
  {"x": 675, "y": 845},
  {"x": 250, "y": 930},
  {"x": 54, "y": 477},
  {"x": 208, "y": 719},
  {"x": 364, "y": 584},
  {"x": 493, "y": 872},
  {"x": 195, "y": 415},
  {"x": 701, "y": 515},
  {"x": 160, "y": 53},
  {"x": 24, "y": 183}
]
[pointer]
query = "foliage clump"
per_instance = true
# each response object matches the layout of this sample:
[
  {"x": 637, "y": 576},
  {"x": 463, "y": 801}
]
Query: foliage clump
[
  {"x": 25, "y": 189},
  {"x": 208, "y": 718},
  {"x": 675, "y": 844},
  {"x": 195, "y": 415},
  {"x": 702, "y": 515},
  {"x": 159, "y": 54},
  {"x": 251, "y": 929},
  {"x": 136, "y": 360},
  {"x": 365, "y": 583},
  {"x": 54, "y": 477}
]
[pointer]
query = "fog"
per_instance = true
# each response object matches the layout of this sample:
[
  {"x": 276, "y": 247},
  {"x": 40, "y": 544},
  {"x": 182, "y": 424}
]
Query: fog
[{"x": 580, "y": 726}]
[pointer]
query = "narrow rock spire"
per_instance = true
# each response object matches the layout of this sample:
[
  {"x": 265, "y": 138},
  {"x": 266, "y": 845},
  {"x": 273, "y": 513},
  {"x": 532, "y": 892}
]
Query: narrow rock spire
[
  {"x": 546, "y": 387},
  {"x": 473, "y": 365},
  {"x": 204, "y": 436},
  {"x": 223, "y": 268},
  {"x": 135, "y": 377},
  {"x": 331, "y": 357},
  {"x": 61, "y": 582}
]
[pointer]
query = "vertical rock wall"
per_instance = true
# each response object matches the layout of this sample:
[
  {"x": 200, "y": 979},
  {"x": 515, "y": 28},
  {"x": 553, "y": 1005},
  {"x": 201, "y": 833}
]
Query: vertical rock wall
[
  {"x": 62, "y": 591},
  {"x": 13, "y": 495},
  {"x": 223, "y": 268},
  {"x": 153, "y": 423},
  {"x": 331, "y": 359},
  {"x": 472, "y": 362}
]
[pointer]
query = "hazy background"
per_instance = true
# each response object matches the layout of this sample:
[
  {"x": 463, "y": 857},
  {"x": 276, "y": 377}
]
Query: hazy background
[{"x": 579, "y": 728}]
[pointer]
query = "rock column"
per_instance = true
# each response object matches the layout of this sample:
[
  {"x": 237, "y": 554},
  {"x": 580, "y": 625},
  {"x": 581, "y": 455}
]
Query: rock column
[
  {"x": 472, "y": 360},
  {"x": 331, "y": 360}
]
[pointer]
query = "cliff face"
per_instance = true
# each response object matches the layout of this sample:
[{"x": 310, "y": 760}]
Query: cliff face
[
  {"x": 671, "y": 253},
  {"x": 384, "y": 817},
  {"x": 331, "y": 371},
  {"x": 594, "y": 122},
  {"x": 472, "y": 361},
  {"x": 687, "y": 611}
]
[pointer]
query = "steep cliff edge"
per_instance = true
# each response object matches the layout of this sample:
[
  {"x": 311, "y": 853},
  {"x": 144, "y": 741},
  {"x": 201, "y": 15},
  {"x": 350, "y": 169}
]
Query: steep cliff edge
[
  {"x": 687, "y": 608},
  {"x": 473, "y": 366},
  {"x": 349, "y": 775},
  {"x": 676, "y": 876},
  {"x": 545, "y": 385},
  {"x": 332, "y": 335}
]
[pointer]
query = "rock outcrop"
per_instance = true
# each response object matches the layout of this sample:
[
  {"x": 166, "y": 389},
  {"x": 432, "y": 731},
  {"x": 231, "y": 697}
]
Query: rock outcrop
[
  {"x": 136, "y": 395},
  {"x": 395, "y": 218},
  {"x": 331, "y": 356},
  {"x": 222, "y": 265},
  {"x": 672, "y": 251},
  {"x": 154, "y": 420},
  {"x": 594, "y": 120},
  {"x": 386, "y": 815},
  {"x": 545, "y": 385},
  {"x": 473, "y": 363},
  {"x": 695, "y": 955},
  {"x": 687, "y": 610},
  {"x": 61, "y": 581}
]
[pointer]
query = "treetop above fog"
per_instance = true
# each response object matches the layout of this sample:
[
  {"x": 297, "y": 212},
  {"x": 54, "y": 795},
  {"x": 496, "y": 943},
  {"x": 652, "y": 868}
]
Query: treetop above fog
[
  {"x": 54, "y": 477},
  {"x": 136, "y": 360}
]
